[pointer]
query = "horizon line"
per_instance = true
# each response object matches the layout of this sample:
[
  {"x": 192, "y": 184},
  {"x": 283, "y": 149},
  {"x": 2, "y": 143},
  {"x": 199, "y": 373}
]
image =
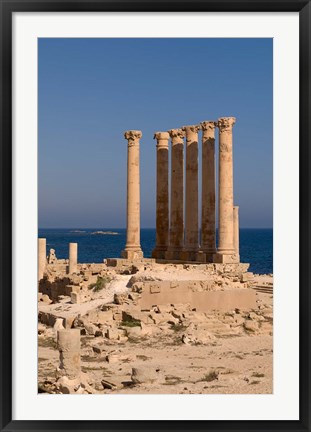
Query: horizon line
[{"x": 124, "y": 228}]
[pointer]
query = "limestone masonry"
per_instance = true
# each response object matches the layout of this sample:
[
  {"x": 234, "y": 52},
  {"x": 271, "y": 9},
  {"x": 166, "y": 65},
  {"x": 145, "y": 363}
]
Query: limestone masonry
[
  {"x": 180, "y": 239},
  {"x": 191, "y": 319}
]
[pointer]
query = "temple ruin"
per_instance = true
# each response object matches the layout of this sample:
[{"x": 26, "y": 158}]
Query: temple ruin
[
  {"x": 178, "y": 236},
  {"x": 174, "y": 322}
]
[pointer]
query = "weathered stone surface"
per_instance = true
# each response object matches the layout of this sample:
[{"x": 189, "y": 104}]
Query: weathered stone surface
[
  {"x": 99, "y": 348},
  {"x": 75, "y": 298},
  {"x": 162, "y": 203},
  {"x": 246, "y": 277},
  {"x": 108, "y": 384},
  {"x": 59, "y": 324},
  {"x": 225, "y": 252},
  {"x": 191, "y": 245},
  {"x": 132, "y": 249},
  {"x": 52, "y": 259},
  {"x": 120, "y": 298},
  {"x": 177, "y": 195},
  {"x": 251, "y": 326},
  {"x": 145, "y": 374},
  {"x": 208, "y": 228},
  {"x": 69, "y": 349},
  {"x": 41, "y": 258},
  {"x": 73, "y": 258},
  {"x": 91, "y": 329}
]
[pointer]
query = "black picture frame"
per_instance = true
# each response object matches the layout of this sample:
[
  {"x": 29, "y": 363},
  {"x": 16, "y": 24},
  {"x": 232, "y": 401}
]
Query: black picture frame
[{"x": 8, "y": 7}]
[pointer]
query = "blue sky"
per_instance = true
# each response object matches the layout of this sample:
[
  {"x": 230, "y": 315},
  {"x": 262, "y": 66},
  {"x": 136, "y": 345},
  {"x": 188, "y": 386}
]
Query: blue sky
[{"x": 92, "y": 90}]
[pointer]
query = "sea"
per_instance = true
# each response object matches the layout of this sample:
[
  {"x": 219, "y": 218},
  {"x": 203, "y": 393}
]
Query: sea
[{"x": 256, "y": 245}]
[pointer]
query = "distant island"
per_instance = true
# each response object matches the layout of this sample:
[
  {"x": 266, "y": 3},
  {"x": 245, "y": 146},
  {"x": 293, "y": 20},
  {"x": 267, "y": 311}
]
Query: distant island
[
  {"x": 105, "y": 233},
  {"x": 77, "y": 231}
]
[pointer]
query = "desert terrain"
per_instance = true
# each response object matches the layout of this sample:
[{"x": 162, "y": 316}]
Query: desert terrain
[{"x": 130, "y": 346}]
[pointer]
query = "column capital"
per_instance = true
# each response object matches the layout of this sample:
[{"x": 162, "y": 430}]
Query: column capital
[
  {"x": 176, "y": 134},
  {"x": 162, "y": 138},
  {"x": 191, "y": 129},
  {"x": 225, "y": 123},
  {"x": 208, "y": 125},
  {"x": 133, "y": 136}
]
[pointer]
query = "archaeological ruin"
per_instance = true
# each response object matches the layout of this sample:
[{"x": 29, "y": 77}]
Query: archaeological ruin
[
  {"x": 109, "y": 326},
  {"x": 177, "y": 226}
]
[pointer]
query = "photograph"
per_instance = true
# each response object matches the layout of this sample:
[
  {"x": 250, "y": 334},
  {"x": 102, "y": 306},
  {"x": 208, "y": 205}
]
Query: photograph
[{"x": 155, "y": 216}]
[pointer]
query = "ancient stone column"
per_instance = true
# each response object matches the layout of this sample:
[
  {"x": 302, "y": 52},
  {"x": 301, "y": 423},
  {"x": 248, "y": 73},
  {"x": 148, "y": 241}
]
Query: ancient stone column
[
  {"x": 236, "y": 232},
  {"x": 177, "y": 195},
  {"x": 69, "y": 353},
  {"x": 208, "y": 224},
  {"x": 132, "y": 249},
  {"x": 191, "y": 246},
  {"x": 225, "y": 252},
  {"x": 41, "y": 257},
  {"x": 162, "y": 212},
  {"x": 73, "y": 257}
]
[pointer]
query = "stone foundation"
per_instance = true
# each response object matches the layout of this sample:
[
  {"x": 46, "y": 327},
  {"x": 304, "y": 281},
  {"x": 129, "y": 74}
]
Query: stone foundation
[
  {"x": 124, "y": 262},
  {"x": 226, "y": 259},
  {"x": 200, "y": 300}
]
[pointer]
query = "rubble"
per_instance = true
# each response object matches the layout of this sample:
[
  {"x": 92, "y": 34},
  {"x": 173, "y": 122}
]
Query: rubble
[{"x": 118, "y": 331}]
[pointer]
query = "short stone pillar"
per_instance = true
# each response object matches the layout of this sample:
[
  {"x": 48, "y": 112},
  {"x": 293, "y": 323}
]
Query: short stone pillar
[
  {"x": 225, "y": 252},
  {"x": 42, "y": 261},
  {"x": 73, "y": 257},
  {"x": 191, "y": 245},
  {"x": 132, "y": 249},
  {"x": 68, "y": 342},
  {"x": 236, "y": 232},
  {"x": 176, "y": 232},
  {"x": 208, "y": 224},
  {"x": 162, "y": 212}
]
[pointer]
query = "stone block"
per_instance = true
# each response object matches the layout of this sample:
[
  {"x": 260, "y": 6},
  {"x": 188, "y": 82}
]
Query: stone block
[
  {"x": 226, "y": 259},
  {"x": 100, "y": 317},
  {"x": 155, "y": 289},
  {"x": 246, "y": 277},
  {"x": 132, "y": 254},
  {"x": 201, "y": 257},
  {"x": 90, "y": 329},
  {"x": 75, "y": 298},
  {"x": 172, "y": 255},
  {"x": 112, "y": 334},
  {"x": 251, "y": 326},
  {"x": 99, "y": 348},
  {"x": 119, "y": 299},
  {"x": 68, "y": 321},
  {"x": 188, "y": 256},
  {"x": 158, "y": 254},
  {"x": 145, "y": 374},
  {"x": 117, "y": 316},
  {"x": 134, "y": 332}
]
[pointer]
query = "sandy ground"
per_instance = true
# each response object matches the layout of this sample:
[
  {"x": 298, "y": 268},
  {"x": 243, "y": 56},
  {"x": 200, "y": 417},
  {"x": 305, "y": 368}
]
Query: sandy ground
[{"x": 230, "y": 363}]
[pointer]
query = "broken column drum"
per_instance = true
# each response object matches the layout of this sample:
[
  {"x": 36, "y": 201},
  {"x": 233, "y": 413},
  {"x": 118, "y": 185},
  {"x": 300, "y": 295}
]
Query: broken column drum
[
  {"x": 42, "y": 261},
  {"x": 176, "y": 232},
  {"x": 69, "y": 351},
  {"x": 162, "y": 203},
  {"x": 73, "y": 257},
  {"x": 132, "y": 249}
]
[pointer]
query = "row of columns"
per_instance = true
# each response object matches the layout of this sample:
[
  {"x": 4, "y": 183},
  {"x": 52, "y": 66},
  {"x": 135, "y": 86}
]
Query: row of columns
[
  {"x": 178, "y": 240},
  {"x": 42, "y": 258}
]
